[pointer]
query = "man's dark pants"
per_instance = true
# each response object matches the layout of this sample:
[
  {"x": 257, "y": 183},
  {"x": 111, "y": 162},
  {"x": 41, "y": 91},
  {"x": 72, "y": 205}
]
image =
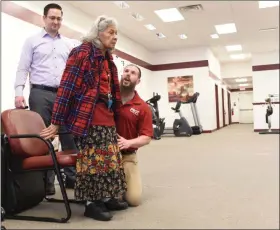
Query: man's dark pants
[{"x": 42, "y": 101}]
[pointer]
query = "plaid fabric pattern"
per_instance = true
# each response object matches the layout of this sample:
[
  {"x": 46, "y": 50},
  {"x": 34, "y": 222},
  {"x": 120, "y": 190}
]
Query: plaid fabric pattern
[{"x": 79, "y": 89}]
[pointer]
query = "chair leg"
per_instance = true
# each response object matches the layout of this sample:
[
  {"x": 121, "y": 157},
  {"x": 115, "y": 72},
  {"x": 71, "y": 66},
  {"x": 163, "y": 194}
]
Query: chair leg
[
  {"x": 49, "y": 219},
  {"x": 54, "y": 200}
]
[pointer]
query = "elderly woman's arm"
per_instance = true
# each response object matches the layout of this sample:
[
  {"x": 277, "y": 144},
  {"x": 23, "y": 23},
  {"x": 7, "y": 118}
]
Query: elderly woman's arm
[{"x": 70, "y": 83}]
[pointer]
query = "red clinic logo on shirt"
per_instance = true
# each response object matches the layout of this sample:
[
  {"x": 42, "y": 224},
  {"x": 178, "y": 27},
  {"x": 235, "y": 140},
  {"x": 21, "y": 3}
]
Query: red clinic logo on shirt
[{"x": 134, "y": 111}]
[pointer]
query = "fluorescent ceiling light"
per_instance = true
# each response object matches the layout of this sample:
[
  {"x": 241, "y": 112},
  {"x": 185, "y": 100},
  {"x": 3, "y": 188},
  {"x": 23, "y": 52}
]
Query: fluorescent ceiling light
[
  {"x": 150, "y": 27},
  {"x": 243, "y": 85},
  {"x": 183, "y": 36},
  {"x": 226, "y": 28},
  {"x": 238, "y": 56},
  {"x": 241, "y": 80},
  {"x": 266, "y": 4},
  {"x": 234, "y": 48},
  {"x": 214, "y": 36},
  {"x": 169, "y": 15},
  {"x": 121, "y": 4},
  {"x": 160, "y": 35}
]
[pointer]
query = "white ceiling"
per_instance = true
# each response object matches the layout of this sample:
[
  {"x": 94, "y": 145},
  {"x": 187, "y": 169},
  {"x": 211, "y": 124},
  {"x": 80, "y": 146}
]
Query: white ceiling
[
  {"x": 231, "y": 82},
  {"x": 197, "y": 25}
]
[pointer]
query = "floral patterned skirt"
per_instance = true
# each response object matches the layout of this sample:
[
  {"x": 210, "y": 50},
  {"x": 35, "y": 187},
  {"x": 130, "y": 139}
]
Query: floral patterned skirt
[{"x": 99, "y": 170}]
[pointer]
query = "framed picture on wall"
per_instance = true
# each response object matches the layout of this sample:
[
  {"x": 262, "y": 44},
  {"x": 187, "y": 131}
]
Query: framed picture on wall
[{"x": 180, "y": 88}]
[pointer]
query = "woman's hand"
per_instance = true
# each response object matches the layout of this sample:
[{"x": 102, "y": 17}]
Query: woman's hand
[{"x": 49, "y": 132}]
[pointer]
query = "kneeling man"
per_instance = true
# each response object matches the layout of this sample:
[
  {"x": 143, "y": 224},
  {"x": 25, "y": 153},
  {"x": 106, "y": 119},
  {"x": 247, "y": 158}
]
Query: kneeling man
[{"x": 135, "y": 129}]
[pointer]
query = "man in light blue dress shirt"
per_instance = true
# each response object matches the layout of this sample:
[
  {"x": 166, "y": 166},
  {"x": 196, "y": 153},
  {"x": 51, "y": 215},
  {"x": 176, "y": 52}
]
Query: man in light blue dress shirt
[{"x": 43, "y": 58}]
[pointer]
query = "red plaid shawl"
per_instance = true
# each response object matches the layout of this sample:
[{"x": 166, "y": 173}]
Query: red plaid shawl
[{"x": 79, "y": 89}]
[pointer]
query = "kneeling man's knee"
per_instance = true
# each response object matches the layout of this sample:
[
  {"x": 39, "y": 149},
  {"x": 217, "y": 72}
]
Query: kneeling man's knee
[{"x": 133, "y": 200}]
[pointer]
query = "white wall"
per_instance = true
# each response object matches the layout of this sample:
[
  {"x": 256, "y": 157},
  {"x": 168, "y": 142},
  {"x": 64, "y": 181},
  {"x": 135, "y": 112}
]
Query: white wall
[
  {"x": 265, "y": 58},
  {"x": 236, "y": 69},
  {"x": 264, "y": 83},
  {"x": 205, "y": 103},
  {"x": 10, "y": 56},
  {"x": 182, "y": 55},
  {"x": 214, "y": 64}
]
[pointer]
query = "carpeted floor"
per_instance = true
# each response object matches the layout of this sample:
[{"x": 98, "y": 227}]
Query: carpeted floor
[{"x": 227, "y": 179}]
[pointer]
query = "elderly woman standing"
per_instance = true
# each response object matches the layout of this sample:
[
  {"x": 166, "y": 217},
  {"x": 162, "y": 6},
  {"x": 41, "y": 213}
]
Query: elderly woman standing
[{"x": 86, "y": 101}]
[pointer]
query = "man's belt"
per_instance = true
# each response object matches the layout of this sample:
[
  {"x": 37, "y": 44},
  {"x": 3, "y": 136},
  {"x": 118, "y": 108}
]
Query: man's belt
[
  {"x": 44, "y": 87},
  {"x": 126, "y": 152}
]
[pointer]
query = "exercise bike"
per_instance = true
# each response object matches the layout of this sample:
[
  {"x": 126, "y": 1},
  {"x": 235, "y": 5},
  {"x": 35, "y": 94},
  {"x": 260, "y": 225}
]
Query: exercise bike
[
  {"x": 181, "y": 126},
  {"x": 158, "y": 122},
  {"x": 269, "y": 112}
]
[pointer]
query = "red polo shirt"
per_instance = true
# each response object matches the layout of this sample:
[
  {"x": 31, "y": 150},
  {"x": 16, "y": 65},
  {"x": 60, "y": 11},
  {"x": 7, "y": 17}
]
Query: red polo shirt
[{"x": 134, "y": 119}]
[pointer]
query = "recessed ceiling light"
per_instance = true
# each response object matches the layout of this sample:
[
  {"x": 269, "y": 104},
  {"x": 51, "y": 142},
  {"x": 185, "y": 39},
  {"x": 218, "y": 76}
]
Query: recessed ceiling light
[
  {"x": 160, "y": 35},
  {"x": 226, "y": 28},
  {"x": 242, "y": 85},
  {"x": 137, "y": 16},
  {"x": 238, "y": 56},
  {"x": 241, "y": 80},
  {"x": 150, "y": 27},
  {"x": 169, "y": 15},
  {"x": 214, "y": 36},
  {"x": 121, "y": 4},
  {"x": 268, "y": 29},
  {"x": 267, "y": 4},
  {"x": 234, "y": 48},
  {"x": 183, "y": 36}
]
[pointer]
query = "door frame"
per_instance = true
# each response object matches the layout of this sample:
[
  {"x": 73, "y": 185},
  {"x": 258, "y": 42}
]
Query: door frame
[
  {"x": 217, "y": 106},
  {"x": 223, "y": 108},
  {"x": 229, "y": 109}
]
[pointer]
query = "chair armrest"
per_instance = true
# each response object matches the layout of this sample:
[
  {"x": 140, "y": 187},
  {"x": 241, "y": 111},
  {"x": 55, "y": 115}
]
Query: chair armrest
[{"x": 47, "y": 142}]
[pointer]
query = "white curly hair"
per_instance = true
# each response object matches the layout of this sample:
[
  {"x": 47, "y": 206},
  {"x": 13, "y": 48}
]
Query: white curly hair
[{"x": 100, "y": 25}]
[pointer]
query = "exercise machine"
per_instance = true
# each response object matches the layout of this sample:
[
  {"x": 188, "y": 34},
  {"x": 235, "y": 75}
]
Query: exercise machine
[
  {"x": 181, "y": 126},
  {"x": 2, "y": 218},
  {"x": 269, "y": 111},
  {"x": 197, "y": 128},
  {"x": 158, "y": 122}
]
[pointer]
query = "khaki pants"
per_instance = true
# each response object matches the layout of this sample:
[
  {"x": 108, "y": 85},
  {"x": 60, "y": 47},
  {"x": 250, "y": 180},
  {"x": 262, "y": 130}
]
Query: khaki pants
[{"x": 133, "y": 179}]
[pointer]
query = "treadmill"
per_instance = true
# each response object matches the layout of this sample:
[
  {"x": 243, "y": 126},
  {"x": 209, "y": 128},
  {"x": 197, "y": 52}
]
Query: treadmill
[{"x": 197, "y": 128}]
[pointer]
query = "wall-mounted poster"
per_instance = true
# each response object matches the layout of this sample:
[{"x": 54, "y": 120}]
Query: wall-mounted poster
[{"x": 180, "y": 88}]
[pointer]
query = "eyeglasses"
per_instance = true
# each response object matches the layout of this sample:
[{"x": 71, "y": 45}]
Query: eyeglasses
[{"x": 53, "y": 18}]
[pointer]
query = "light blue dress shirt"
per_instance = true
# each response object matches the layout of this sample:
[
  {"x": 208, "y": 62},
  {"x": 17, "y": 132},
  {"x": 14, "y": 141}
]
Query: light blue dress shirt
[{"x": 43, "y": 58}]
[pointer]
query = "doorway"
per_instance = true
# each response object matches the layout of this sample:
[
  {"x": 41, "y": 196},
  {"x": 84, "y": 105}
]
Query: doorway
[
  {"x": 217, "y": 106},
  {"x": 223, "y": 108},
  {"x": 229, "y": 109},
  {"x": 246, "y": 108}
]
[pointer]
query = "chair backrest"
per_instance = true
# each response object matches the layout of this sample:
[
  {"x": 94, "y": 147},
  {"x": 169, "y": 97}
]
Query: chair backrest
[{"x": 19, "y": 121}]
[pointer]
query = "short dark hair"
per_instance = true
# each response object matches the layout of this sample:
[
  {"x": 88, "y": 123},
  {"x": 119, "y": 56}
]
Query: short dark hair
[
  {"x": 139, "y": 70},
  {"x": 52, "y": 6}
]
